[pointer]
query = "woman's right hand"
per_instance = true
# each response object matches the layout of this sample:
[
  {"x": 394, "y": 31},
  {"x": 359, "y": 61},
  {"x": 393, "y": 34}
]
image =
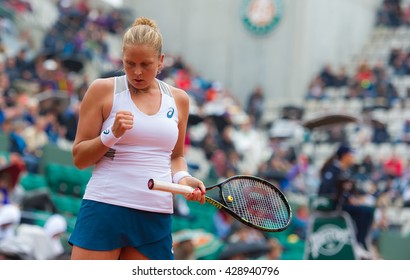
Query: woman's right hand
[{"x": 124, "y": 120}]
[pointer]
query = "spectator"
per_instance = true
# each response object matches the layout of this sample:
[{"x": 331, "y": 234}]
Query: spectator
[
  {"x": 341, "y": 79},
  {"x": 364, "y": 76},
  {"x": 327, "y": 76},
  {"x": 184, "y": 248},
  {"x": 9, "y": 177},
  {"x": 255, "y": 105},
  {"x": 9, "y": 219},
  {"x": 17, "y": 144},
  {"x": 404, "y": 135},
  {"x": 55, "y": 228},
  {"x": 316, "y": 89},
  {"x": 35, "y": 136},
  {"x": 393, "y": 167},
  {"x": 275, "y": 249},
  {"x": 338, "y": 185},
  {"x": 380, "y": 133}
]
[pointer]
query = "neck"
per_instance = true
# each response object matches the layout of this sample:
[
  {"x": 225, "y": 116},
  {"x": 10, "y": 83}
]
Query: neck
[
  {"x": 131, "y": 88},
  {"x": 136, "y": 91}
]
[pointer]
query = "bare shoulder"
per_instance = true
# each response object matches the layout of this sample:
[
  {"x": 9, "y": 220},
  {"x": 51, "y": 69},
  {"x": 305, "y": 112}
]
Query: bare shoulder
[
  {"x": 99, "y": 96},
  {"x": 100, "y": 91},
  {"x": 180, "y": 95},
  {"x": 101, "y": 87}
]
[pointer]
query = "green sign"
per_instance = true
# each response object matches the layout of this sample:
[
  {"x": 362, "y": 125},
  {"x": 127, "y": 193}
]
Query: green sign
[
  {"x": 261, "y": 16},
  {"x": 330, "y": 237}
]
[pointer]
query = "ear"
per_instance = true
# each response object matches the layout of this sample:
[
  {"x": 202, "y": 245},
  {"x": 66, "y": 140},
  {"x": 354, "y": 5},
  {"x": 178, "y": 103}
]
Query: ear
[{"x": 161, "y": 62}]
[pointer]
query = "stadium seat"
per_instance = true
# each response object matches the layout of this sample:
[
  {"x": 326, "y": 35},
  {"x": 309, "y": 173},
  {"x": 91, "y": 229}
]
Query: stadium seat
[
  {"x": 31, "y": 181},
  {"x": 66, "y": 205},
  {"x": 66, "y": 179},
  {"x": 54, "y": 154},
  {"x": 4, "y": 142}
]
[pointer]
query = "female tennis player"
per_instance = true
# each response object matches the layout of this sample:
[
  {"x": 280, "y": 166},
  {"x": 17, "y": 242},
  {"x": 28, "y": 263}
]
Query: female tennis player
[{"x": 131, "y": 128}]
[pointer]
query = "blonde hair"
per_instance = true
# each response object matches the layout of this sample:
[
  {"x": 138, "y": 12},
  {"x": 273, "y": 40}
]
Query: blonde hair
[{"x": 143, "y": 31}]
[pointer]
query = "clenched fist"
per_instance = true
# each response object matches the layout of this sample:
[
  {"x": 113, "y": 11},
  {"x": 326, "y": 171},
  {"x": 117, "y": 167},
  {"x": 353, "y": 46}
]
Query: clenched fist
[{"x": 124, "y": 120}]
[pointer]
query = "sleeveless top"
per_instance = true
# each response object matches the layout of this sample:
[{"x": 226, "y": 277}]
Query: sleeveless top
[{"x": 143, "y": 152}]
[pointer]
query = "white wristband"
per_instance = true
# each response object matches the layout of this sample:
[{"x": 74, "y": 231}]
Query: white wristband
[
  {"x": 108, "y": 138},
  {"x": 179, "y": 175}
]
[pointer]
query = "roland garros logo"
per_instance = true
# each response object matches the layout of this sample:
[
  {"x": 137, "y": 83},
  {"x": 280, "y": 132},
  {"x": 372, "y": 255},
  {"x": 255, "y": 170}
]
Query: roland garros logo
[
  {"x": 328, "y": 240},
  {"x": 261, "y": 16}
]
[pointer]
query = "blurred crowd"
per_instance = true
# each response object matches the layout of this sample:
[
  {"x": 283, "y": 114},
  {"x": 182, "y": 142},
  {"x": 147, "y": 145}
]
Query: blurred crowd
[
  {"x": 41, "y": 90},
  {"x": 393, "y": 13}
]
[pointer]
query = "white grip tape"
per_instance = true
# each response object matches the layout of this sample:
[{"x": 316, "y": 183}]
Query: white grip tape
[{"x": 169, "y": 187}]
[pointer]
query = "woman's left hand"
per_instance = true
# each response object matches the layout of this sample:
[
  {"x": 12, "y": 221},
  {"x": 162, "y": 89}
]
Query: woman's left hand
[{"x": 199, "y": 193}]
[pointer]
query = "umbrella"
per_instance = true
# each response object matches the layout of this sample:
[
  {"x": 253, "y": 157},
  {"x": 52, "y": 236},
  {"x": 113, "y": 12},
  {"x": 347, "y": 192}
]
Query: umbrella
[
  {"x": 284, "y": 129},
  {"x": 377, "y": 123},
  {"x": 73, "y": 64},
  {"x": 54, "y": 97},
  {"x": 292, "y": 112},
  {"x": 328, "y": 120},
  {"x": 112, "y": 73}
]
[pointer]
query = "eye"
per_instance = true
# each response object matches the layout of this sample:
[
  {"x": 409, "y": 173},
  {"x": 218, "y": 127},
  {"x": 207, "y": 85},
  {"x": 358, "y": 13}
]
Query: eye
[{"x": 130, "y": 63}]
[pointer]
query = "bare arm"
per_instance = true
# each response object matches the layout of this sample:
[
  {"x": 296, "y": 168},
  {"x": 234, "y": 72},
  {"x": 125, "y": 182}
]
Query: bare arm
[
  {"x": 95, "y": 108},
  {"x": 177, "y": 158},
  {"x": 178, "y": 162}
]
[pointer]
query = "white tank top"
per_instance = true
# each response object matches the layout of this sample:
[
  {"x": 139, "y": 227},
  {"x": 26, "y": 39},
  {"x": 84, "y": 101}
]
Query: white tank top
[{"x": 144, "y": 152}]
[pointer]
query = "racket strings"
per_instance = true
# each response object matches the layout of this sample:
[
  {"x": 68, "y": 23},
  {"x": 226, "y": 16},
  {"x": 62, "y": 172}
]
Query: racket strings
[{"x": 257, "y": 202}]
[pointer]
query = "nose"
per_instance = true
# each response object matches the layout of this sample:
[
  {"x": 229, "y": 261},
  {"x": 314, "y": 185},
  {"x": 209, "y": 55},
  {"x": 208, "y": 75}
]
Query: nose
[{"x": 138, "y": 71}]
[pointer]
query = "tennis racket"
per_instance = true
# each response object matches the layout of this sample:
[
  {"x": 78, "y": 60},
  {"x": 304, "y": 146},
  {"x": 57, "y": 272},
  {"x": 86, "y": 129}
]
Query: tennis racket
[{"x": 251, "y": 200}]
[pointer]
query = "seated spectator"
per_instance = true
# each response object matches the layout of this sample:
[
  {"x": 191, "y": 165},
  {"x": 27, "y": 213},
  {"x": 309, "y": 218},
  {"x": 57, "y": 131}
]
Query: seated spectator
[
  {"x": 316, "y": 89},
  {"x": 9, "y": 219},
  {"x": 55, "y": 227},
  {"x": 9, "y": 176},
  {"x": 404, "y": 135},
  {"x": 380, "y": 133},
  {"x": 30, "y": 242},
  {"x": 275, "y": 249},
  {"x": 390, "y": 14},
  {"x": 327, "y": 76},
  {"x": 35, "y": 136},
  {"x": 341, "y": 79},
  {"x": 338, "y": 185},
  {"x": 255, "y": 105},
  {"x": 393, "y": 166},
  {"x": 364, "y": 75}
]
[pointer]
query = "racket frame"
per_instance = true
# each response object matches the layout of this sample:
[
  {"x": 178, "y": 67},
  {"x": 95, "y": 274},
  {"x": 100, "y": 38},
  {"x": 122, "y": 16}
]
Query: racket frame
[{"x": 214, "y": 196}]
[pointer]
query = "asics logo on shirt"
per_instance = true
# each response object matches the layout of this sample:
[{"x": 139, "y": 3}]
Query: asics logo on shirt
[{"x": 170, "y": 112}]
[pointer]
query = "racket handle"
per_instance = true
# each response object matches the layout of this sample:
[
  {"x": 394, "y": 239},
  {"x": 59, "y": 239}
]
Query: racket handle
[{"x": 169, "y": 187}]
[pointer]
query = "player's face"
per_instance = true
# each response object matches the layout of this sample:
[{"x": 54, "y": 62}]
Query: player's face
[{"x": 141, "y": 64}]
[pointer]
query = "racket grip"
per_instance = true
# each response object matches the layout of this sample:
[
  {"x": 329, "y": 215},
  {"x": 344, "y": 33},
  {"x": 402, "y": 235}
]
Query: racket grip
[{"x": 169, "y": 187}]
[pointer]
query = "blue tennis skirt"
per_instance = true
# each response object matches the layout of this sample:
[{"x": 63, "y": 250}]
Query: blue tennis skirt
[{"x": 106, "y": 227}]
